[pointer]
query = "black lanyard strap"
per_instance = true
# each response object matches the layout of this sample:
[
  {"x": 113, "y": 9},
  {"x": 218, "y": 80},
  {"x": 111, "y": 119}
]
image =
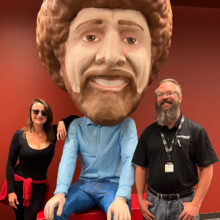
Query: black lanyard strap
[{"x": 167, "y": 148}]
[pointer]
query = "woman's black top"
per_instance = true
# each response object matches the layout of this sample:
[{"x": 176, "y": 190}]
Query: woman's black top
[{"x": 32, "y": 163}]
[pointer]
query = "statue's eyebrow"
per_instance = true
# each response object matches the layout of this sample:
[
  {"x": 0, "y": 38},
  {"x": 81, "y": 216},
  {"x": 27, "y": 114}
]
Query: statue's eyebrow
[
  {"x": 120, "y": 22},
  {"x": 130, "y": 23},
  {"x": 92, "y": 21}
]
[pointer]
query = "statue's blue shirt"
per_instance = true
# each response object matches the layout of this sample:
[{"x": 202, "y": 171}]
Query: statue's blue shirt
[{"x": 105, "y": 154}]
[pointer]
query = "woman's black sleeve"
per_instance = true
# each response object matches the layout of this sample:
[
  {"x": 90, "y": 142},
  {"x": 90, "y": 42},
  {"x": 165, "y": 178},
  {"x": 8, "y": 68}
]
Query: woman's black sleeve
[
  {"x": 66, "y": 121},
  {"x": 13, "y": 154}
]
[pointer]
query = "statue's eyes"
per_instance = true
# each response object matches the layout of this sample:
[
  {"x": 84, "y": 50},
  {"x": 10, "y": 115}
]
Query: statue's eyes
[
  {"x": 130, "y": 40},
  {"x": 90, "y": 38}
]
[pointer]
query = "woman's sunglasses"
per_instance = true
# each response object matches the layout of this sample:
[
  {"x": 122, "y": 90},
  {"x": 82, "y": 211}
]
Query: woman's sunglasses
[{"x": 36, "y": 112}]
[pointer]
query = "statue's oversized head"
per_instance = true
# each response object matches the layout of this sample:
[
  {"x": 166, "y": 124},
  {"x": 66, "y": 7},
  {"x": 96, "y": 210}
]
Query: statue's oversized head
[{"x": 104, "y": 52}]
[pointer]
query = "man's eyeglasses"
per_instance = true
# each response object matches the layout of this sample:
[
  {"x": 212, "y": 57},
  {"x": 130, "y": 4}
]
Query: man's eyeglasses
[
  {"x": 168, "y": 94},
  {"x": 36, "y": 112}
]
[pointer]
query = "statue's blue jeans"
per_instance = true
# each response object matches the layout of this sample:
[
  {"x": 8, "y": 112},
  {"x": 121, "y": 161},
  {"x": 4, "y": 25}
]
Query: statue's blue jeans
[
  {"x": 167, "y": 210},
  {"x": 84, "y": 195}
]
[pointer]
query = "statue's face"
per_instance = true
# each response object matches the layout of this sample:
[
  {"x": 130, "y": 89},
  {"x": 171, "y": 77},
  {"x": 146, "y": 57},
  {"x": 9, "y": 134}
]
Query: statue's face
[{"x": 107, "y": 63}]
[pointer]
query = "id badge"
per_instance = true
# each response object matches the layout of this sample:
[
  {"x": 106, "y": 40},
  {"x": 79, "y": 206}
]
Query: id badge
[{"x": 169, "y": 168}]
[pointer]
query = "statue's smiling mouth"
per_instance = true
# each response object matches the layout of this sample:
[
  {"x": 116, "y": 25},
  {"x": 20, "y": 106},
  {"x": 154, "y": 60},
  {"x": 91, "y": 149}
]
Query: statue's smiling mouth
[{"x": 115, "y": 84}]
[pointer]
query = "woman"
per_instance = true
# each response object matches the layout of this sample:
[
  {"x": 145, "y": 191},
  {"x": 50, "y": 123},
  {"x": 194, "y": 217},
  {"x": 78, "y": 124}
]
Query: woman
[{"x": 34, "y": 146}]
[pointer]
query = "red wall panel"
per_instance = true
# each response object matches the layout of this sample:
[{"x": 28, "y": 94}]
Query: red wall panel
[{"x": 194, "y": 61}]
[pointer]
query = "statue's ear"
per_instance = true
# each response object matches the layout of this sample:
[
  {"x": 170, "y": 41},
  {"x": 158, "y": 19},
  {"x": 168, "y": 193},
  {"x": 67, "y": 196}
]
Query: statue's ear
[{"x": 61, "y": 74}]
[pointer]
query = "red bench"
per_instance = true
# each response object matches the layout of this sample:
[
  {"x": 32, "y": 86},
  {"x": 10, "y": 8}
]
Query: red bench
[{"x": 96, "y": 214}]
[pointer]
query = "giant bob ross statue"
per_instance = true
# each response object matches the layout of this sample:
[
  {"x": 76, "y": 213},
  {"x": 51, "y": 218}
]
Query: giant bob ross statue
[{"x": 104, "y": 53}]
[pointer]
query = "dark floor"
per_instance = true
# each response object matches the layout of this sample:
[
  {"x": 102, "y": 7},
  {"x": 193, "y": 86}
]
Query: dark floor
[{"x": 210, "y": 216}]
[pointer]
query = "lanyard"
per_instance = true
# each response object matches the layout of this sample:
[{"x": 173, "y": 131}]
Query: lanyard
[{"x": 167, "y": 148}]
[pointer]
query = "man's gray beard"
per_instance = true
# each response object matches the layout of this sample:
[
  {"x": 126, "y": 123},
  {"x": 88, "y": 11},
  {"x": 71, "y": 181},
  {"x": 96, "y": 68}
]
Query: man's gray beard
[{"x": 165, "y": 118}]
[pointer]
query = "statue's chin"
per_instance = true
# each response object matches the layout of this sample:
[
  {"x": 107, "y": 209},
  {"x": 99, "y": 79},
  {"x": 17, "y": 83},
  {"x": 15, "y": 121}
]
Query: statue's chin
[
  {"x": 107, "y": 108},
  {"x": 107, "y": 115}
]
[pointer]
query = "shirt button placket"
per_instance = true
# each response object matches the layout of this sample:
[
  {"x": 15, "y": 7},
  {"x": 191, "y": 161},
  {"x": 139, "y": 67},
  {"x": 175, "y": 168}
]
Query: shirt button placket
[{"x": 97, "y": 149}]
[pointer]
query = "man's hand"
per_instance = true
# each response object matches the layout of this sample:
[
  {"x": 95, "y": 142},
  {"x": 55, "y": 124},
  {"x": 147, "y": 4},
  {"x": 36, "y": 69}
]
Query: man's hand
[
  {"x": 61, "y": 131},
  {"x": 144, "y": 204},
  {"x": 58, "y": 200},
  {"x": 119, "y": 209},
  {"x": 189, "y": 212},
  {"x": 13, "y": 200}
]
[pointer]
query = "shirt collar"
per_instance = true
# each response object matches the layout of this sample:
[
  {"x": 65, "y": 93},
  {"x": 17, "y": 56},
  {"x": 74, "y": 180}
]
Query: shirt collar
[{"x": 89, "y": 122}]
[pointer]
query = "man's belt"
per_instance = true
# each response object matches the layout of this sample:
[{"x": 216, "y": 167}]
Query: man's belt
[{"x": 183, "y": 194}]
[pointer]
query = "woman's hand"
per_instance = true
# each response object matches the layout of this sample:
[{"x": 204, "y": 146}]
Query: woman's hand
[
  {"x": 13, "y": 200},
  {"x": 61, "y": 131}
]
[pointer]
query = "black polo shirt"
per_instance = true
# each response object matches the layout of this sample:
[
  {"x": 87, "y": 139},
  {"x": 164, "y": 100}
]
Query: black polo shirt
[{"x": 191, "y": 148}]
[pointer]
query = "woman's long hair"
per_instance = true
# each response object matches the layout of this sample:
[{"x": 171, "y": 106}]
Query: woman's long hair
[{"x": 47, "y": 127}]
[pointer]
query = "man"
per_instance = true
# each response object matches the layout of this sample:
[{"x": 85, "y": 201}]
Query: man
[
  {"x": 169, "y": 151},
  {"x": 104, "y": 53}
]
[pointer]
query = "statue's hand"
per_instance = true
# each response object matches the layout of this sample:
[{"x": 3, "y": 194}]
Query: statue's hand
[
  {"x": 119, "y": 209},
  {"x": 58, "y": 200}
]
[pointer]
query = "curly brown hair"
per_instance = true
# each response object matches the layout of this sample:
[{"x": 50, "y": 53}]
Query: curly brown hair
[
  {"x": 54, "y": 20},
  {"x": 48, "y": 125}
]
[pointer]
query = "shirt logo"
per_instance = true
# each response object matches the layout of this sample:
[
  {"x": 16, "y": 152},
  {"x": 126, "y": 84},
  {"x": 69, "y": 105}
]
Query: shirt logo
[{"x": 183, "y": 136}]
